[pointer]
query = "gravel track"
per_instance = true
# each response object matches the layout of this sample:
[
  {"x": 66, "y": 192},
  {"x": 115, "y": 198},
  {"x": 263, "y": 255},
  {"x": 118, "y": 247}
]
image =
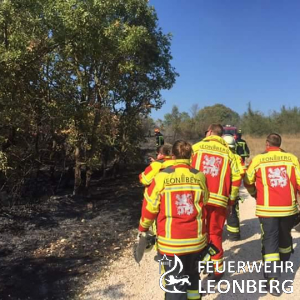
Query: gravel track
[{"x": 124, "y": 279}]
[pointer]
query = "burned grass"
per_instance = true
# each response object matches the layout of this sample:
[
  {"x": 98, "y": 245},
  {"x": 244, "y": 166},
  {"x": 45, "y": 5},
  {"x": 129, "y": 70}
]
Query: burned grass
[{"x": 52, "y": 249}]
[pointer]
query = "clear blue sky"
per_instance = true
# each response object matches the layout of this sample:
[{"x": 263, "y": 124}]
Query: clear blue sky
[{"x": 232, "y": 52}]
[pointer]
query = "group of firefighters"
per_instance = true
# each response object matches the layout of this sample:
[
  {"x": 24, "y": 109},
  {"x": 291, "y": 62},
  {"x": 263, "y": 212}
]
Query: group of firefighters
[{"x": 192, "y": 190}]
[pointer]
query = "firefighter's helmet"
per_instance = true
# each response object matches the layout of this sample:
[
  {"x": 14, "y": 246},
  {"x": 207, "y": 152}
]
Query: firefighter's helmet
[{"x": 229, "y": 139}]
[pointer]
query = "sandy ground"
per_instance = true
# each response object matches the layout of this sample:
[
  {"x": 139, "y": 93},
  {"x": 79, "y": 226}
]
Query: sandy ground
[{"x": 127, "y": 280}]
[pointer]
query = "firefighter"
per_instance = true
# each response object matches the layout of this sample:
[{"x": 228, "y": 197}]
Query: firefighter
[
  {"x": 159, "y": 137},
  {"x": 176, "y": 197},
  {"x": 233, "y": 220},
  {"x": 242, "y": 148},
  {"x": 163, "y": 160},
  {"x": 273, "y": 179},
  {"x": 213, "y": 157}
]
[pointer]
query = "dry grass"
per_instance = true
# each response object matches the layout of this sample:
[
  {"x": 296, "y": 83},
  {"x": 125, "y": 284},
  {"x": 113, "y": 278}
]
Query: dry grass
[{"x": 290, "y": 143}]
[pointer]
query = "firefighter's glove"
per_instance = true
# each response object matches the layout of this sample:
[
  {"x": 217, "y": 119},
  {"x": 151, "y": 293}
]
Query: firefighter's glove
[
  {"x": 206, "y": 254},
  {"x": 208, "y": 251}
]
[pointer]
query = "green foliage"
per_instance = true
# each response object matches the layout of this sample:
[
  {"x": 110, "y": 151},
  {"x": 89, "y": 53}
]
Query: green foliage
[
  {"x": 251, "y": 122},
  {"x": 3, "y": 162},
  {"x": 177, "y": 123},
  {"x": 287, "y": 120},
  {"x": 77, "y": 77},
  {"x": 217, "y": 113},
  {"x": 181, "y": 124},
  {"x": 255, "y": 123}
]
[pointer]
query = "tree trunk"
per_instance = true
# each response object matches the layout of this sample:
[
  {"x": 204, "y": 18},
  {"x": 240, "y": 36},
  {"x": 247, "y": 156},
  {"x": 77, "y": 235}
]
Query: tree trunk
[
  {"x": 88, "y": 178},
  {"x": 77, "y": 172}
]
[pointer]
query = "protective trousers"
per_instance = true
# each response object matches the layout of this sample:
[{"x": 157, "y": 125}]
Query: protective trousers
[
  {"x": 186, "y": 281},
  {"x": 216, "y": 217},
  {"x": 233, "y": 222},
  {"x": 277, "y": 244}
]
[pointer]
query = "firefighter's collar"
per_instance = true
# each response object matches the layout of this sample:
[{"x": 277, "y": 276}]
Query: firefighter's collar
[
  {"x": 215, "y": 138},
  {"x": 181, "y": 161},
  {"x": 273, "y": 149},
  {"x": 167, "y": 157}
]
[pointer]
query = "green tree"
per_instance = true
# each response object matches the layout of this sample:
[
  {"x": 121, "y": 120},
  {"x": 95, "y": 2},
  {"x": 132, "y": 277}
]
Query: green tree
[
  {"x": 255, "y": 123},
  {"x": 287, "y": 120},
  {"x": 78, "y": 76},
  {"x": 173, "y": 121},
  {"x": 217, "y": 113}
]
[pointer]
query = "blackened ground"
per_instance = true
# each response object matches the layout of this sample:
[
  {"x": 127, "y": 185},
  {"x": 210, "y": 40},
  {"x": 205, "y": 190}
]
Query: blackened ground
[{"x": 52, "y": 249}]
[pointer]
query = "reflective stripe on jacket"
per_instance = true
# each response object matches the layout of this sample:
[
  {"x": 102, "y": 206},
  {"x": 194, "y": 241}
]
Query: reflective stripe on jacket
[
  {"x": 213, "y": 157},
  {"x": 153, "y": 169},
  {"x": 176, "y": 197},
  {"x": 242, "y": 148},
  {"x": 241, "y": 165},
  {"x": 274, "y": 178},
  {"x": 159, "y": 139}
]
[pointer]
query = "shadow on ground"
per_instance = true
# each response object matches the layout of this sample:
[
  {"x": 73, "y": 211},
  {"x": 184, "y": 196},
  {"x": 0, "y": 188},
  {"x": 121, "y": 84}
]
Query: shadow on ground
[{"x": 249, "y": 250}]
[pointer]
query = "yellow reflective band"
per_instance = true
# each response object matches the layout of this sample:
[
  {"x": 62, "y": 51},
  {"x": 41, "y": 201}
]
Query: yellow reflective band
[
  {"x": 265, "y": 185},
  {"x": 261, "y": 213},
  {"x": 233, "y": 229},
  {"x": 272, "y": 254},
  {"x": 217, "y": 202},
  {"x": 289, "y": 171},
  {"x": 251, "y": 174},
  {"x": 218, "y": 264},
  {"x": 199, "y": 157},
  {"x": 276, "y": 208},
  {"x": 168, "y": 208},
  {"x": 146, "y": 223},
  {"x": 199, "y": 210},
  {"x": 223, "y": 173},
  {"x": 154, "y": 227},
  {"x": 146, "y": 180},
  {"x": 193, "y": 295},
  {"x": 179, "y": 242},
  {"x": 285, "y": 250},
  {"x": 272, "y": 257},
  {"x": 180, "y": 250},
  {"x": 153, "y": 202},
  {"x": 195, "y": 187},
  {"x": 219, "y": 260},
  {"x": 219, "y": 268},
  {"x": 218, "y": 197},
  {"x": 276, "y": 211},
  {"x": 278, "y": 163},
  {"x": 234, "y": 192}
]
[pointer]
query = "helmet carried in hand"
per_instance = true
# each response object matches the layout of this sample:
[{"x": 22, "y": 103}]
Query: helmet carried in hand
[{"x": 229, "y": 139}]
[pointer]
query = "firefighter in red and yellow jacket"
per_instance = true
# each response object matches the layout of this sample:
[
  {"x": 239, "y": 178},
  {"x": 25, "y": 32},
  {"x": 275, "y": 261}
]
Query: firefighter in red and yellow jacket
[
  {"x": 273, "y": 179},
  {"x": 176, "y": 197},
  {"x": 213, "y": 157},
  {"x": 233, "y": 220},
  {"x": 163, "y": 160}
]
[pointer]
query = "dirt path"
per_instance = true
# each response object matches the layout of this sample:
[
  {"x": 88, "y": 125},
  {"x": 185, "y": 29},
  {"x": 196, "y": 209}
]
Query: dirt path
[{"x": 126, "y": 280}]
